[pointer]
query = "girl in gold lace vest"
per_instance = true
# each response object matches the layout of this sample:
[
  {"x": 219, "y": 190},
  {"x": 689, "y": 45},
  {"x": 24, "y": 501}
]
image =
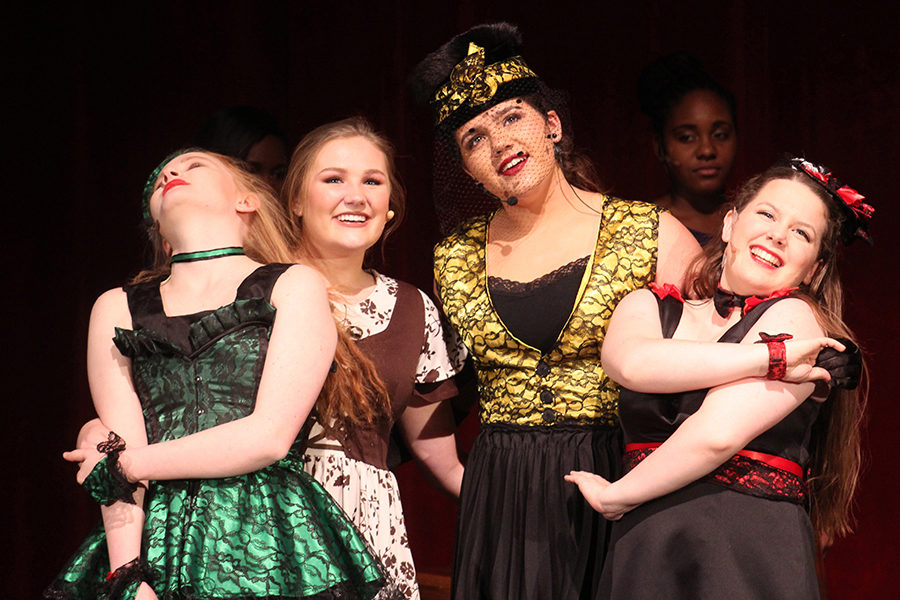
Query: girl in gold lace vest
[{"x": 530, "y": 287}]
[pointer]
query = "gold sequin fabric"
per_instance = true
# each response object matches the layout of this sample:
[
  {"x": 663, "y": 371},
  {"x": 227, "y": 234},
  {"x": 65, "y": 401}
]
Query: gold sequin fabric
[{"x": 518, "y": 384}]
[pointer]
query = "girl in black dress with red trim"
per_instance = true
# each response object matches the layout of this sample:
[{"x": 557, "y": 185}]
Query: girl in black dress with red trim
[{"x": 736, "y": 453}]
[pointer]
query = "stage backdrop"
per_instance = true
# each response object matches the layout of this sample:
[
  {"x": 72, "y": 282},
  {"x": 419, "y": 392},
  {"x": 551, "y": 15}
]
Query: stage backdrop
[{"x": 94, "y": 97}]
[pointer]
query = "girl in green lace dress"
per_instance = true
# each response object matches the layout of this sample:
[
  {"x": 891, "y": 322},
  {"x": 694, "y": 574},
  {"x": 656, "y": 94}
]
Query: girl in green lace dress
[{"x": 194, "y": 366}]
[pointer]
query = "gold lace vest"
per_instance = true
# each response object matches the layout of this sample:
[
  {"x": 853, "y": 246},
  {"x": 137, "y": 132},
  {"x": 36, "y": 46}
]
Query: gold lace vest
[{"x": 518, "y": 384}]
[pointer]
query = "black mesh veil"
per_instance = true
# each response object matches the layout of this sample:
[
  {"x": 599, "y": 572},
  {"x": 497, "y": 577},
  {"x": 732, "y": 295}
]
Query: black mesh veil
[{"x": 499, "y": 130}]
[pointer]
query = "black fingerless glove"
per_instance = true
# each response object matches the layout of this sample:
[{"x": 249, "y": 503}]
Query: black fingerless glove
[{"x": 845, "y": 367}]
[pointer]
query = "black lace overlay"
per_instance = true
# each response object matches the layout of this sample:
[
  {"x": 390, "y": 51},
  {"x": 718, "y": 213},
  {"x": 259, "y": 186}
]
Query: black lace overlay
[
  {"x": 745, "y": 475},
  {"x": 272, "y": 533}
]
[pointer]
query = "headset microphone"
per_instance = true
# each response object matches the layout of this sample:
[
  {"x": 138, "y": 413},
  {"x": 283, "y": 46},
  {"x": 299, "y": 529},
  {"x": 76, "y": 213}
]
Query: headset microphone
[{"x": 511, "y": 201}]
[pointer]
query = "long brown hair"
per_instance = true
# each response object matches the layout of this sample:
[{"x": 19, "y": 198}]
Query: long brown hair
[
  {"x": 361, "y": 400},
  {"x": 836, "y": 443}
]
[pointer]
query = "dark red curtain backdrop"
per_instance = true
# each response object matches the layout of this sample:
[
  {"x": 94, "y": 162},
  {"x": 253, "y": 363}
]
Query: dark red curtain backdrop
[{"x": 94, "y": 97}]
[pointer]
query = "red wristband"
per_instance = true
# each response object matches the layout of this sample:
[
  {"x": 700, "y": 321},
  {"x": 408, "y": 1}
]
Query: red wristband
[{"x": 777, "y": 362}]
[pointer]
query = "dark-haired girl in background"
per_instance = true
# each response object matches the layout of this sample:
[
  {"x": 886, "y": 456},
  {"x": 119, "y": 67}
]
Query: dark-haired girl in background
[
  {"x": 252, "y": 135},
  {"x": 694, "y": 123}
]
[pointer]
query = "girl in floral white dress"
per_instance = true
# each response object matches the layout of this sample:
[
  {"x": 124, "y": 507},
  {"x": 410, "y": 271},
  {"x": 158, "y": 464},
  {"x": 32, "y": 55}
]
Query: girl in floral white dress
[{"x": 344, "y": 197}]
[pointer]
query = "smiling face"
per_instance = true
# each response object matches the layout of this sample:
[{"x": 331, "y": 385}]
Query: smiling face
[
  {"x": 507, "y": 148},
  {"x": 774, "y": 241},
  {"x": 699, "y": 143},
  {"x": 345, "y": 198}
]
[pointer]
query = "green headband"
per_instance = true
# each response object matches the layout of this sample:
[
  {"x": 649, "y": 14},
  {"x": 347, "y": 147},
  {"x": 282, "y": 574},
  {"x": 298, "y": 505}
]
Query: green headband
[{"x": 151, "y": 182}]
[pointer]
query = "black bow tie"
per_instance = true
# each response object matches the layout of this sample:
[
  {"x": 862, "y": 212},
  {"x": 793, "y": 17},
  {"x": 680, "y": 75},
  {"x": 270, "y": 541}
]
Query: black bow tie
[{"x": 725, "y": 301}]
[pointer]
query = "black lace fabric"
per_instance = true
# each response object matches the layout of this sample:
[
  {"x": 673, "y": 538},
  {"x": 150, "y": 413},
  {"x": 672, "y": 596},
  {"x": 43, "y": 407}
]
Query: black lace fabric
[
  {"x": 272, "y": 533},
  {"x": 745, "y": 475},
  {"x": 508, "y": 286}
]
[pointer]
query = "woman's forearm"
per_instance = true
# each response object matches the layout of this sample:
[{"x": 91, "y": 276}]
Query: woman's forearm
[
  {"x": 124, "y": 526},
  {"x": 731, "y": 416},
  {"x": 430, "y": 432},
  {"x": 234, "y": 448},
  {"x": 671, "y": 366}
]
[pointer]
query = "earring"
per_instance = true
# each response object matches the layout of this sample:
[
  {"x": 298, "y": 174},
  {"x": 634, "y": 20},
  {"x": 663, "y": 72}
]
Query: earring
[
  {"x": 551, "y": 136},
  {"x": 390, "y": 215}
]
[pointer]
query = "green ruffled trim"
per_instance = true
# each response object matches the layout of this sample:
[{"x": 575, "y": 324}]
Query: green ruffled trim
[
  {"x": 143, "y": 341},
  {"x": 204, "y": 331},
  {"x": 230, "y": 317}
]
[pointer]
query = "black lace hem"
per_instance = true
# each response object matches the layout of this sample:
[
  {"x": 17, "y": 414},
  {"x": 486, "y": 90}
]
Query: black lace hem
[
  {"x": 340, "y": 591},
  {"x": 125, "y": 578}
]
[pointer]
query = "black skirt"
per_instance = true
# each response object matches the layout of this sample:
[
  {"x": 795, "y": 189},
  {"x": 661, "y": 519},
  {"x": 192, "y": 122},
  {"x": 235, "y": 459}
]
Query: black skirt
[
  {"x": 705, "y": 541},
  {"x": 523, "y": 531}
]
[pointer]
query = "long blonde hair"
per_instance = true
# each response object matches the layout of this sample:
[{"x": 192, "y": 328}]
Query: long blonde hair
[
  {"x": 836, "y": 442},
  {"x": 269, "y": 235}
]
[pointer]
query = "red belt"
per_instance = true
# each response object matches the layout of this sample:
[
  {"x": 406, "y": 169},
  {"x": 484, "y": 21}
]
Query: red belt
[{"x": 769, "y": 459}]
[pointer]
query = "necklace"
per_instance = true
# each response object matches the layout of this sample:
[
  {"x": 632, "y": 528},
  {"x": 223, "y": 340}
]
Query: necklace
[{"x": 206, "y": 254}]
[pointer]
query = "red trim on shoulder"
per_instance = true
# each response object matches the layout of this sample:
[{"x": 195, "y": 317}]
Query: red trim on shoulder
[{"x": 666, "y": 289}]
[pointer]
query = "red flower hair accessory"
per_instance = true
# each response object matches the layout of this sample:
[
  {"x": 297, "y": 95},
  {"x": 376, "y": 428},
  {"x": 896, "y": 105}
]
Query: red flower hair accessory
[{"x": 856, "y": 212}]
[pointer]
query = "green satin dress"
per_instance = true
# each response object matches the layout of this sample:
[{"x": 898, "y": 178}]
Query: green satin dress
[{"x": 273, "y": 533}]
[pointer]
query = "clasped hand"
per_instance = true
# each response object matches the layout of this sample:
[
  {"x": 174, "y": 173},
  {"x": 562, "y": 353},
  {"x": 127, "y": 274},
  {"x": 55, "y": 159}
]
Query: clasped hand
[
  {"x": 86, "y": 454},
  {"x": 595, "y": 490},
  {"x": 835, "y": 361},
  {"x": 801, "y": 356},
  {"x": 87, "y": 459}
]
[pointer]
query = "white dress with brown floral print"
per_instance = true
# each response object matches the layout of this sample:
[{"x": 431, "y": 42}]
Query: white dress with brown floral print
[{"x": 356, "y": 475}]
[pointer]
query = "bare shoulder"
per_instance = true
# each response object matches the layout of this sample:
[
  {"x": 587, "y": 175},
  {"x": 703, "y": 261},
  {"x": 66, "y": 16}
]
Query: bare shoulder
[
  {"x": 111, "y": 308},
  {"x": 791, "y": 315},
  {"x": 299, "y": 283},
  {"x": 673, "y": 229},
  {"x": 677, "y": 249},
  {"x": 636, "y": 303},
  {"x": 299, "y": 277},
  {"x": 642, "y": 298}
]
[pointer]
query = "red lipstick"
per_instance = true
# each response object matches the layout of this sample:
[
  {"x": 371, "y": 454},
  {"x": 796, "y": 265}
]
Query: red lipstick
[
  {"x": 174, "y": 183},
  {"x": 520, "y": 156}
]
